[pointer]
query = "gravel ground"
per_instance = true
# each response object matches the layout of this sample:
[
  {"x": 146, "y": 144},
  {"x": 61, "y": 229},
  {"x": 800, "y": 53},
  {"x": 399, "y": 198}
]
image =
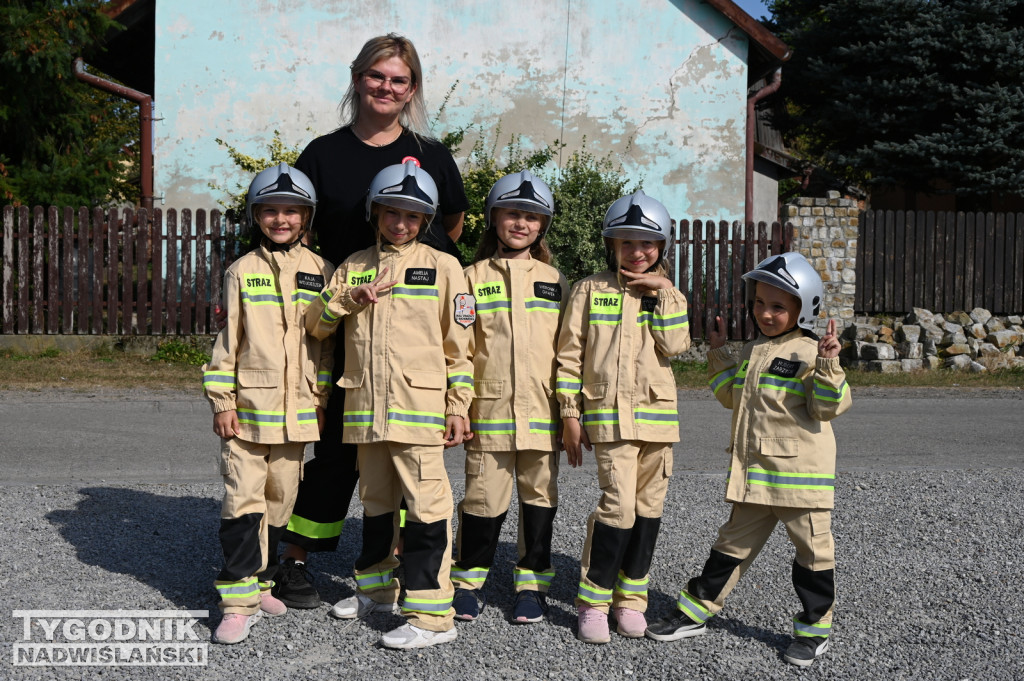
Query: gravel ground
[{"x": 919, "y": 553}]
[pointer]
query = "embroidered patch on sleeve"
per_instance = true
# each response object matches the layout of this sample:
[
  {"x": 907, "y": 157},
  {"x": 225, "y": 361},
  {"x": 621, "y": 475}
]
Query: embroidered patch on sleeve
[
  {"x": 465, "y": 310},
  {"x": 547, "y": 290},
  {"x": 784, "y": 368},
  {"x": 309, "y": 281},
  {"x": 424, "y": 276}
]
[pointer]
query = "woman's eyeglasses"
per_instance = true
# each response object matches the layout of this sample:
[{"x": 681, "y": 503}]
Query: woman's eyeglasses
[{"x": 399, "y": 84}]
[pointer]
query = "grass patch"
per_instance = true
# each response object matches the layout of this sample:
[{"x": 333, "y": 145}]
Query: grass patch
[{"x": 101, "y": 368}]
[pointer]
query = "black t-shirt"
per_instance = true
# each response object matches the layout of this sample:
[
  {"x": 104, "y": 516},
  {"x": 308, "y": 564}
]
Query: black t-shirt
[{"x": 341, "y": 168}]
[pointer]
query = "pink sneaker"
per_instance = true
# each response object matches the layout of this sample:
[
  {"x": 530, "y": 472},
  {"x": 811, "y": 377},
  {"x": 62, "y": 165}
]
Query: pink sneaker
[
  {"x": 271, "y": 606},
  {"x": 234, "y": 628},
  {"x": 593, "y": 625},
  {"x": 631, "y": 623}
]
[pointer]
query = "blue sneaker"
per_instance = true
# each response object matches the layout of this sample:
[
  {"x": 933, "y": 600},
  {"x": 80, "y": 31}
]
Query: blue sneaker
[
  {"x": 468, "y": 604},
  {"x": 531, "y": 606}
]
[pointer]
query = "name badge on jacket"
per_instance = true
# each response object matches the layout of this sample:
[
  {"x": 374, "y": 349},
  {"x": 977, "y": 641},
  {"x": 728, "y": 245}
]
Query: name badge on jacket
[
  {"x": 422, "y": 276},
  {"x": 309, "y": 281}
]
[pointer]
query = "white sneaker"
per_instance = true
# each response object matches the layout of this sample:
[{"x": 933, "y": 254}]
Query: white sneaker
[
  {"x": 360, "y": 606},
  {"x": 408, "y": 636}
]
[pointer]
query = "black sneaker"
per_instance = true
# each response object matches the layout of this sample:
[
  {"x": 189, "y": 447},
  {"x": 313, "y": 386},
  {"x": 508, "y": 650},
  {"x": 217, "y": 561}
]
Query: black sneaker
[
  {"x": 804, "y": 650},
  {"x": 294, "y": 587},
  {"x": 531, "y": 606},
  {"x": 674, "y": 627},
  {"x": 468, "y": 604}
]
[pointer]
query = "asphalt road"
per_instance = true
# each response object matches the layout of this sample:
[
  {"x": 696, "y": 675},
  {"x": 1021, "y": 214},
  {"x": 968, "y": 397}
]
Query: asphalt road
[{"x": 166, "y": 437}]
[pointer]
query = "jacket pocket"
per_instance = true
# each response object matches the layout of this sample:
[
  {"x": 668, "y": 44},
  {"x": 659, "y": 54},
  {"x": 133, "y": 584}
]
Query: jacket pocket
[
  {"x": 432, "y": 467},
  {"x": 431, "y": 380},
  {"x": 352, "y": 379},
  {"x": 595, "y": 391},
  {"x": 663, "y": 392},
  {"x": 488, "y": 389},
  {"x": 258, "y": 378},
  {"x": 780, "y": 446},
  {"x": 225, "y": 457}
]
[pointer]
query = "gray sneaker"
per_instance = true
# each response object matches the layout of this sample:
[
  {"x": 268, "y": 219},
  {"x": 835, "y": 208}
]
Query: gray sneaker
[
  {"x": 360, "y": 606},
  {"x": 804, "y": 650},
  {"x": 408, "y": 636}
]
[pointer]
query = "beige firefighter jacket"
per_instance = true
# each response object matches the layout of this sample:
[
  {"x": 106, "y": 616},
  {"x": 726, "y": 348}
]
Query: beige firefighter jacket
[
  {"x": 519, "y": 305},
  {"x": 405, "y": 356},
  {"x": 613, "y": 360},
  {"x": 264, "y": 364},
  {"x": 782, "y": 396}
]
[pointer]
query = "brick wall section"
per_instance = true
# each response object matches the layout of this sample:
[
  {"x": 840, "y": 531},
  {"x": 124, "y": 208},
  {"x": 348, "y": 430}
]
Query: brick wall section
[{"x": 825, "y": 231}]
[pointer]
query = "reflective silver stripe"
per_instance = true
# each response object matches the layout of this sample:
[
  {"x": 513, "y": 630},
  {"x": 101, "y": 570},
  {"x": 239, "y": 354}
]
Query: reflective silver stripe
[
  {"x": 474, "y": 575},
  {"x": 694, "y": 610},
  {"x": 722, "y": 378},
  {"x": 606, "y": 318},
  {"x": 599, "y": 416},
  {"x": 760, "y": 476},
  {"x": 407, "y": 292},
  {"x": 262, "y": 298},
  {"x": 823, "y": 392},
  {"x": 221, "y": 378},
  {"x": 633, "y": 586},
  {"x": 306, "y": 415},
  {"x": 675, "y": 321},
  {"x": 358, "y": 418},
  {"x": 816, "y": 629},
  {"x": 419, "y": 419},
  {"x": 493, "y": 305},
  {"x": 261, "y": 418},
  {"x": 541, "y": 304},
  {"x": 304, "y": 296},
  {"x": 494, "y": 426},
  {"x": 568, "y": 385},
  {"x": 323, "y": 378},
  {"x": 460, "y": 379},
  {"x": 427, "y": 605},
  {"x": 593, "y": 595},
  {"x": 774, "y": 382},
  {"x": 544, "y": 427},
  {"x": 528, "y": 577},
  {"x": 667, "y": 419},
  {"x": 373, "y": 580},
  {"x": 238, "y": 589}
]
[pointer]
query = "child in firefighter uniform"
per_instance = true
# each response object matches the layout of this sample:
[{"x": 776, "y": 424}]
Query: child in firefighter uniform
[
  {"x": 267, "y": 382},
  {"x": 784, "y": 390},
  {"x": 408, "y": 386},
  {"x": 519, "y": 298},
  {"x": 620, "y": 329}
]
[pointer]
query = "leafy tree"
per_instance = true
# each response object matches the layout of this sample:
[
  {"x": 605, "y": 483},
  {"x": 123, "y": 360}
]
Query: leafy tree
[
  {"x": 277, "y": 153},
  {"x": 63, "y": 141},
  {"x": 921, "y": 93}
]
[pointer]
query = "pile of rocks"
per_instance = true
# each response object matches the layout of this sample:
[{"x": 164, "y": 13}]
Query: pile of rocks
[{"x": 974, "y": 341}]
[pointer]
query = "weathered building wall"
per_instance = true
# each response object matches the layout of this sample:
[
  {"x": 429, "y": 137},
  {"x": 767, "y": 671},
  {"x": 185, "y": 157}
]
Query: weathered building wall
[{"x": 661, "y": 86}]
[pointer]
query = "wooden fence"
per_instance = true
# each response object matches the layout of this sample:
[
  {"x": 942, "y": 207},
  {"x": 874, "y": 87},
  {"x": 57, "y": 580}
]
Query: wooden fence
[
  {"x": 110, "y": 272},
  {"x": 940, "y": 261},
  {"x": 712, "y": 258},
  {"x": 83, "y": 272}
]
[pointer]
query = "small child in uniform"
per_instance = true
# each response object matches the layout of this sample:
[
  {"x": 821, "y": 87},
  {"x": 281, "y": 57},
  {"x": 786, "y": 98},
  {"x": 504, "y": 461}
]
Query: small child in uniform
[
  {"x": 621, "y": 328},
  {"x": 408, "y": 386},
  {"x": 784, "y": 390},
  {"x": 268, "y": 383},
  {"x": 519, "y": 298}
]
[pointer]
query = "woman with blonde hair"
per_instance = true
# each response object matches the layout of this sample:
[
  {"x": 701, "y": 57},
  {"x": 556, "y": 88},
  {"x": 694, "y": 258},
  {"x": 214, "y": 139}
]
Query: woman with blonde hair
[{"x": 383, "y": 124}]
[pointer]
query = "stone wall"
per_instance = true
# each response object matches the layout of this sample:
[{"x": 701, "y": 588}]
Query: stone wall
[{"x": 825, "y": 231}]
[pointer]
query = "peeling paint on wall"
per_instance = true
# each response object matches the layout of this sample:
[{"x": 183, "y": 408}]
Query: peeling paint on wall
[{"x": 659, "y": 86}]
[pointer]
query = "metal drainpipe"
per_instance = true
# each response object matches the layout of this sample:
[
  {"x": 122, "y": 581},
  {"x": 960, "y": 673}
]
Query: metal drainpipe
[
  {"x": 771, "y": 88},
  {"x": 145, "y": 103}
]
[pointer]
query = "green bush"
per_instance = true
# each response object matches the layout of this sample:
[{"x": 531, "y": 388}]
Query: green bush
[{"x": 178, "y": 351}]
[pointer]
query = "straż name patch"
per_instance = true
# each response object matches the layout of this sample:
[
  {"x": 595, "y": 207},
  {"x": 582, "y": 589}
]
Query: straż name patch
[
  {"x": 547, "y": 290},
  {"x": 784, "y": 368},
  {"x": 309, "y": 281}
]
